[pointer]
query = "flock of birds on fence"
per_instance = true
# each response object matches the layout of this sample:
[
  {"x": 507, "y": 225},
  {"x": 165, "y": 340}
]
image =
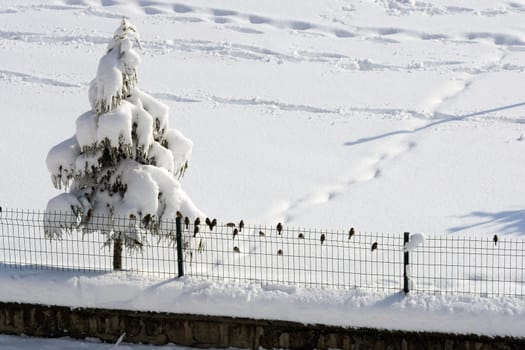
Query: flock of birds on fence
[
  {"x": 237, "y": 229},
  {"x": 211, "y": 223}
]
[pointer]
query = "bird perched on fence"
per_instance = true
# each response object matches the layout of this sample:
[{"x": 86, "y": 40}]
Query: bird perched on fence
[
  {"x": 280, "y": 252},
  {"x": 208, "y": 223},
  {"x": 351, "y": 232},
  {"x": 301, "y": 236},
  {"x": 374, "y": 246},
  {"x": 323, "y": 238},
  {"x": 261, "y": 234},
  {"x": 235, "y": 232},
  {"x": 187, "y": 222},
  {"x": 230, "y": 224},
  {"x": 236, "y": 249},
  {"x": 197, "y": 221},
  {"x": 179, "y": 214},
  {"x": 241, "y": 225},
  {"x": 495, "y": 239},
  {"x": 146, "y": 220},
  {"x": 279, "y": 228},
  {"x": 195, "y": 230},
  {"x": 213, "y": 223}
]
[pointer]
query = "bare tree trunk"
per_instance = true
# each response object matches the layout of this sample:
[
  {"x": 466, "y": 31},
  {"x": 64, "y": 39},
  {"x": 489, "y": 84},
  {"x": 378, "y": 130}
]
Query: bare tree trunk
[{"x": 117, "y": 254}]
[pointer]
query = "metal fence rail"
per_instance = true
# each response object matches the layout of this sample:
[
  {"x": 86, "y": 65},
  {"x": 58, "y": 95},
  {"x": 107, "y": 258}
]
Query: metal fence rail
[{"x": 271, "y": 255}]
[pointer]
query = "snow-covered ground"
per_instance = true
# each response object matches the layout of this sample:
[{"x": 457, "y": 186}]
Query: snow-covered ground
[
  {"x": 384, "y": 115},
  {"x": 28, "y": 343},
  {"x": 355, "y": 308}
]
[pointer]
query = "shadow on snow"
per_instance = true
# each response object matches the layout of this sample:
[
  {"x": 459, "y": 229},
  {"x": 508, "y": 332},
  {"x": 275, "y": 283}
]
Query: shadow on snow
[
  {"x": 512, "y": 221},
  {"x": 445, "y": 118}
]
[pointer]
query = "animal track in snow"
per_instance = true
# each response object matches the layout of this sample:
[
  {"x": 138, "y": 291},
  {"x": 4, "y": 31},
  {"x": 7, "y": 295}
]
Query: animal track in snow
[
  {"x": 406, "y": 8},
  {"x": 17, "y": 76},
  {"x": 250, "y": 23},
  {"x": 252, "y": 102},
  {"x": 370, "y": 169},
  {"x": 452, "y": 89}
]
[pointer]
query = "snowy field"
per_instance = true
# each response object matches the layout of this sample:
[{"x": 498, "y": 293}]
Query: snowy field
[{"x": 385, "y": 115}]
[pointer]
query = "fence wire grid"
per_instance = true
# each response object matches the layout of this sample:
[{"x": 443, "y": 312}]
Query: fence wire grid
[{"x": 277, "y": 255}]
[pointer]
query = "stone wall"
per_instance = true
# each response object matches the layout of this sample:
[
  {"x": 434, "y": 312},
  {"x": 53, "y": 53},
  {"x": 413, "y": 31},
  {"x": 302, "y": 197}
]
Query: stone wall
[{"x": 213, "y": 331}]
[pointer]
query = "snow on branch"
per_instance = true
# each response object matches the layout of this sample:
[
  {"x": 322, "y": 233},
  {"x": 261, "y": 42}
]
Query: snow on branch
[{"x": 116, "y": 73}]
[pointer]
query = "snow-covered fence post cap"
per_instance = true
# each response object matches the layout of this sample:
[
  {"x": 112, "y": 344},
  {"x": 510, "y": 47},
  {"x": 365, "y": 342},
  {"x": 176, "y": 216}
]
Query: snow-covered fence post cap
[{"x": 416, "y": 239}]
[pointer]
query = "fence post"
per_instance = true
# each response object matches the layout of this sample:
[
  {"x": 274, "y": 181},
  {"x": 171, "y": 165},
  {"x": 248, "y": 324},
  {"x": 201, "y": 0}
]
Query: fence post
[
  {"x": 405, "y": 263},
  {"x": 180, "y": 260}
]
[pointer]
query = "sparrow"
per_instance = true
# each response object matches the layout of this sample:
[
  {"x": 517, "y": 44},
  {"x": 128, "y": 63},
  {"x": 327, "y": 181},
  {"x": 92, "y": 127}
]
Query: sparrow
[
  {"x": 261, "y": 234},
  {"x": 280, "y": 252},
  {"x": 195, "y": 231},
  {"x": 187, "y": 222},
  {"x": 230, "y": 224},
  {"x": 213, "y": 223},
  {"x": 279, "y": 228},
  {"x": 351, "y": 233},
  {"x": 197, "y": 221},
  {"x": 179, "y": 214},
  {"x": 374, "y": 246},
  {"x": 323, "y": 238},
  {"x": 208, "y": 223},
  {"x": 236, "y": 249},
  {"x": 241, "y": 226},
  {"x": 146, "y": 220},
  {"x": 301, "y": 236},
  {"x": 495, "y": 239},
  {"x": 235, "y": 232}
]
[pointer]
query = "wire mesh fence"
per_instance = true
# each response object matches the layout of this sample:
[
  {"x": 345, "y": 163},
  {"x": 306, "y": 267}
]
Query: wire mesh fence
[
  {"x": 23, "y": 244},
  {"x": 486, "y": 266},
  {"x": 313, "y": 258},
  {"x": 273, "y": 255}
]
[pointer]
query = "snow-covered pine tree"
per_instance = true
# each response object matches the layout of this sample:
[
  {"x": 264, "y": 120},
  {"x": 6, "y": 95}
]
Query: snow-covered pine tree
[{"x": 124, "y": 162}]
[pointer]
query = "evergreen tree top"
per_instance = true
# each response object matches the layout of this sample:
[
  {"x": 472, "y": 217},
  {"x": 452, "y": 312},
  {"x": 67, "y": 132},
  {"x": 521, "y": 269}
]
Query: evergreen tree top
[{"x": 126, "y": 30}]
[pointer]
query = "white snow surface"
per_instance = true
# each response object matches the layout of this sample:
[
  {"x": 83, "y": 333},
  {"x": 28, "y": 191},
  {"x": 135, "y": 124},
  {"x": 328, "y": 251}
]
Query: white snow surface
[
  {"x": 382, "y": 115},
  {"x": 116, "y": 125},
  {"x": 387, "y": 116},
  {"x": 9, "y": 342},
  {"x": 61, "y": 162}
]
